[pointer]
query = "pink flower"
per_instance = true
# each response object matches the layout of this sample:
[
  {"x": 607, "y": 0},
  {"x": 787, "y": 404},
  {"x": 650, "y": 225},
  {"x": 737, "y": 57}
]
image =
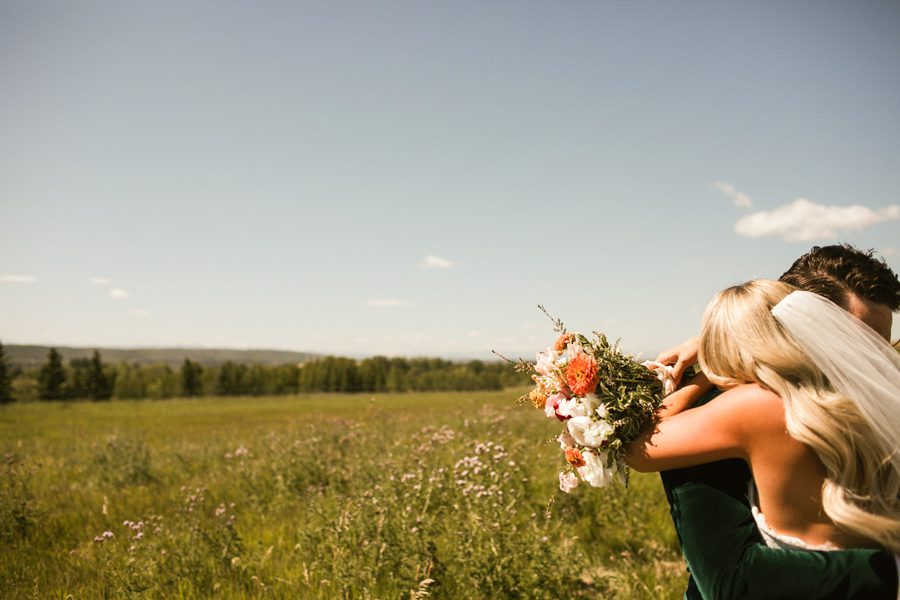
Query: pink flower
[
  {"x": 568, "y": 481},
  {"x": 556, "y": 406},
  {"x": 565, "y": 440}
]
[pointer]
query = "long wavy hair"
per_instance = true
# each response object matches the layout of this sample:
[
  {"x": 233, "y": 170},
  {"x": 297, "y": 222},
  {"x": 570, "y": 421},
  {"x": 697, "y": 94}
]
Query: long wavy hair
[{"x": 741, "y": 342}]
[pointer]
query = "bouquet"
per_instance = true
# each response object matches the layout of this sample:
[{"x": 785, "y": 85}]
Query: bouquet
[{"x": 602, "y": 396}]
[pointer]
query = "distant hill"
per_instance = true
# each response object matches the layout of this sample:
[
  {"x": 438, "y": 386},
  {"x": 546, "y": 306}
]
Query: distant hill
[{"x": 35, "y": 356}]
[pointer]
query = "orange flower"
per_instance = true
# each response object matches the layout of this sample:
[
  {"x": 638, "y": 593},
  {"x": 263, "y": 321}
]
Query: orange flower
[
  {"x": 581, "y": 374},
  {"x": 574, "y": 457},
  {"x": 562, "y": 341}
]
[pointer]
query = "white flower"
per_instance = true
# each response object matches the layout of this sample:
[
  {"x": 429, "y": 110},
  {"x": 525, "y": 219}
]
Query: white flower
[
  {"x": 594, "y": 471},
  {"x": 565, "y": 440},
  {"x": 545, "y": 363},
  {"x": 664, "y": 372},
  {"x": 571, "y": 407},
  {"x": 568, "y": 481},
  {"x": 574, "y": 349},
  {"x": 589, "y": 432}
]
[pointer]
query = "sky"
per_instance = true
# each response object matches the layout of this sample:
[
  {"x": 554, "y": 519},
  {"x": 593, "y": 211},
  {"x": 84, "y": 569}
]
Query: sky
[{"x": 414, "y": 178}]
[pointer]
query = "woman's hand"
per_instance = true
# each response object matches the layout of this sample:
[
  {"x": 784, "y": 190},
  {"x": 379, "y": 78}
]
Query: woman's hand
[{"x": 680, "y": 357}]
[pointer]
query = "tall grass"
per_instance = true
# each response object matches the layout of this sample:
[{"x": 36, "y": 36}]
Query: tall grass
[{"x": 441, "y": 495}]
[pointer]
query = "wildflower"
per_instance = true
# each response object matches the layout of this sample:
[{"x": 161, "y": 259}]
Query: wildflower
[{"x": 104, "y": 536}]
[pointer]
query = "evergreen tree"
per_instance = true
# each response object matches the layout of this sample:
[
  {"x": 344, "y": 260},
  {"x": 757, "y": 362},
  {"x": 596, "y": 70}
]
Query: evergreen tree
[
  {"x": 77, "y": 377},
  {"x": 5, "y": 378},
  {"x": 191, "y": 379},
  {"x": 228, "y": 380},
  {"x": 52, "y": 377},
  {"x": 99, "y": 383}
]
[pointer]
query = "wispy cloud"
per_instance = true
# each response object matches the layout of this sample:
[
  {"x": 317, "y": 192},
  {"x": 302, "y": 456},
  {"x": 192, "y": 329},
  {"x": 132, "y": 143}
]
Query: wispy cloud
[
  {"x": 473, "y": 334},
  {"x": 17, "y": 279},
  {"x": 889, "y": 251},
  {"x": 388, "y": 303},
  {"x": 118, "y": 294},
  {"x": 436, "y": 262},
  {"x": 738, "y": 198},
  {"x": 140, "y": 313},
  {"x": 100, "y": 281},
  {"x": 804, "y": 220}
]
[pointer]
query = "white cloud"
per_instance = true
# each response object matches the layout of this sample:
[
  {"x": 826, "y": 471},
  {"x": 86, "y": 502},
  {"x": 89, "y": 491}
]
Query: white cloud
[
  {"x": 889, "y": 251},
  {"x": 436, "y": 262},
  {"x": 388, "y": 303},
  {"x": 17, "y": 279},
  {"x": 100, "y": 281},
  {"x": 738, "y": 198},
  {"x": 118, "y": 294},
  {"x": 473, "y": 334},
  {"x": 140, "y": 313},
  {"x": 803, "y": 220}
]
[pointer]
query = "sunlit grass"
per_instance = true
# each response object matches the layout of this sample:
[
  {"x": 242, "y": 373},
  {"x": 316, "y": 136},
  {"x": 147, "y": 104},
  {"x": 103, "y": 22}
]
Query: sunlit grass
[{"x": 321, "y": 496}]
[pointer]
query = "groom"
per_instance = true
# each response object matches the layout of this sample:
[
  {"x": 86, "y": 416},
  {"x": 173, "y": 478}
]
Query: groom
[{"x": 723, "y": 549}]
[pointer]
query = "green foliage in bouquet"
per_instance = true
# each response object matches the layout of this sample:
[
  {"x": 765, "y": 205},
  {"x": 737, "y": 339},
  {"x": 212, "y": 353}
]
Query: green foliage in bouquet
[
  {"x": 631, "y": 392},
  {"x": 603, "y": 395}
]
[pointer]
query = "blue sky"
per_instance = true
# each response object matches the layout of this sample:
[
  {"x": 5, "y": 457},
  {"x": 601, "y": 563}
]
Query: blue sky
[{"x": 414, "y": 178}]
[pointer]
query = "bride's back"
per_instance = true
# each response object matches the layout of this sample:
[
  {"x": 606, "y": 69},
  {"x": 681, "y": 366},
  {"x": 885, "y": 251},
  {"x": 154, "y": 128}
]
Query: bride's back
[
  {"x": 821, "y": 473},
  {"x": 788, "y": 475}
]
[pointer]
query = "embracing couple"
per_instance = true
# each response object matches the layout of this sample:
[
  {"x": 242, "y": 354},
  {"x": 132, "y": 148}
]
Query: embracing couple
[{"x": 787, "y": 483}]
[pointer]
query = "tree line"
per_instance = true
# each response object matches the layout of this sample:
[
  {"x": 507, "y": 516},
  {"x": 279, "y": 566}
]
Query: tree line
[{"x": 95, "y": 380}]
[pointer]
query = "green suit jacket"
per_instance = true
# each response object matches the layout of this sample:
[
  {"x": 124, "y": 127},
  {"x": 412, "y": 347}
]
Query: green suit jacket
[{"x": 727, "y": 557}]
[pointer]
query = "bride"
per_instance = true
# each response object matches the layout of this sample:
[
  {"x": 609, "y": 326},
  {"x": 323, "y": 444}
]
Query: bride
[{"x": 812, "y": 405}]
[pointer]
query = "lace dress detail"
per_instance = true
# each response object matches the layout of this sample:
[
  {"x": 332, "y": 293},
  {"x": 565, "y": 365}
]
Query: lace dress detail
[{"x": 772, "y": 537}]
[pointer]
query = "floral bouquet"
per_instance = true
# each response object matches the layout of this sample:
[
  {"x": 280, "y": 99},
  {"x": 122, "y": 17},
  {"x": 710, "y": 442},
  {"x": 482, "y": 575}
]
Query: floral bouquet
[{"x": 602, "y": 396}]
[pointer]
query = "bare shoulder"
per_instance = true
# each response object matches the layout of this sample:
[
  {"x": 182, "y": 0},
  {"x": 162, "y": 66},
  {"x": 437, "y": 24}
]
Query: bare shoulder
[
  {"x": 752, "y": 407},
  {"x": 750, "y": 394}
]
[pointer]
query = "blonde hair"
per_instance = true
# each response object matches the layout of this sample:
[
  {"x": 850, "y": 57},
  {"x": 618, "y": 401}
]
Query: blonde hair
[{"x": 741, "y": 342}]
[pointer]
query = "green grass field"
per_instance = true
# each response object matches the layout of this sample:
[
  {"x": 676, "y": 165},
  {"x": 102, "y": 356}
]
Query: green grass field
[{"x": 441, "y": 495}]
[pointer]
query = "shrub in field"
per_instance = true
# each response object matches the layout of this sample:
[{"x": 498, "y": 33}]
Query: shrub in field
[
  {"x": 18, "y": 512},
  {"x": 123, "y": 461},
  {"x": 196, "y": 542}
]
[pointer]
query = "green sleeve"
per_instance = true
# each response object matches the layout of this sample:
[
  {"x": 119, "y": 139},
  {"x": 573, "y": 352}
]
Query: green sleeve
[{"x": 728, "y": 559}]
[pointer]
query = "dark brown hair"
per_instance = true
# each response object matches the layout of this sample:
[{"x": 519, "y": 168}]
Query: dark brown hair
[{"x": 833, "y": 271}]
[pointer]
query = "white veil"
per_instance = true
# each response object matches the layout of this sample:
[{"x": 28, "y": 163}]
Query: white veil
[{"x": 858, "y": 362}]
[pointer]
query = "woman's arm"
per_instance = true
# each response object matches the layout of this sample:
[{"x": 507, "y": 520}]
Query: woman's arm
[
  {"x": 685, "y": 397},
  {"x": 722, "y": 429}
]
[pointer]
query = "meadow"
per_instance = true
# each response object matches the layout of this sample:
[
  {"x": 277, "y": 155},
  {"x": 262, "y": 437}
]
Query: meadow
[{"x": 438, "y": 495}]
